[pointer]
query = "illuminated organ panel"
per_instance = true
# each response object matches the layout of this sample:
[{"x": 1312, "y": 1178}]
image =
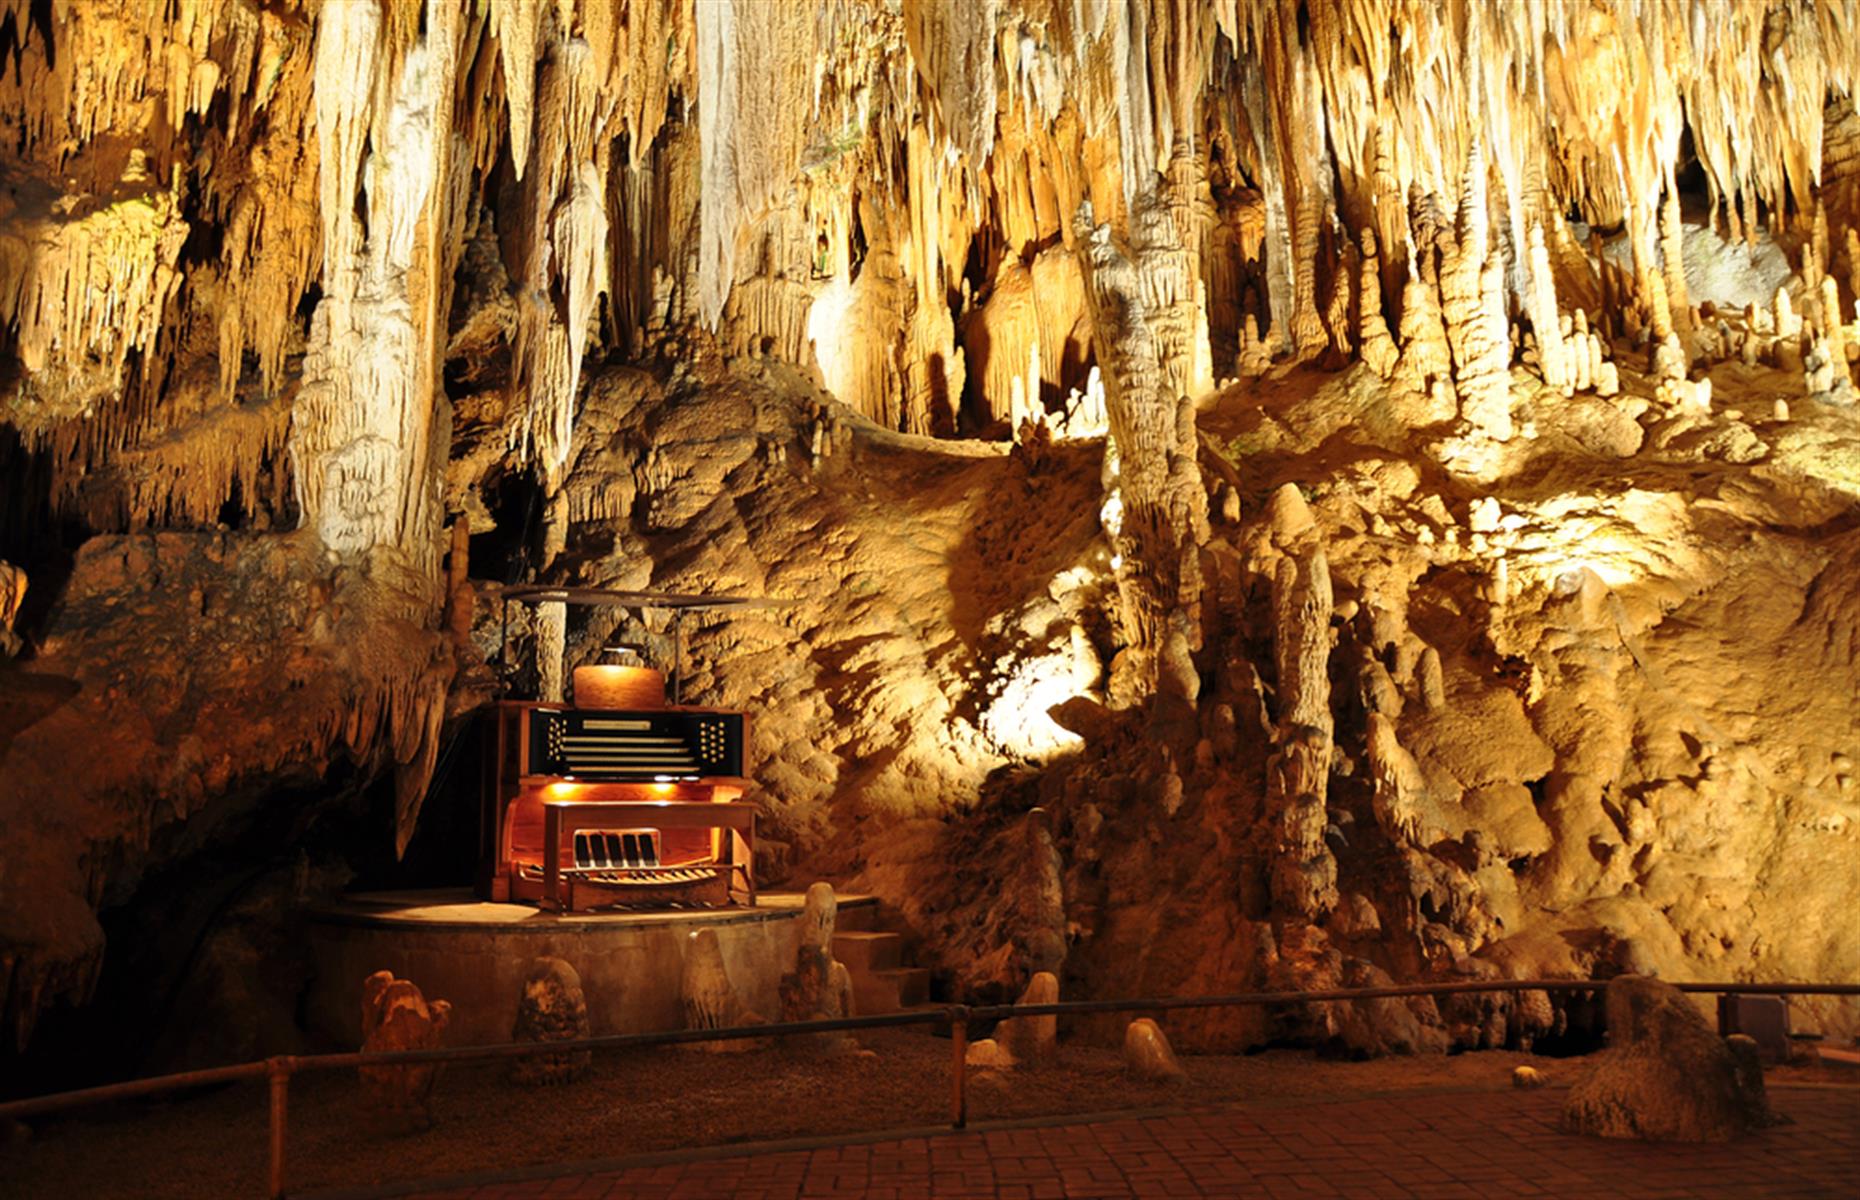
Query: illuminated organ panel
[{"x": 591, "y": 808}]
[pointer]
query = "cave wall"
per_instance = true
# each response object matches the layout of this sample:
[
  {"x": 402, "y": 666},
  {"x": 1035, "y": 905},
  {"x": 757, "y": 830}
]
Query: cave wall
[{"x": 290, "y": 288}]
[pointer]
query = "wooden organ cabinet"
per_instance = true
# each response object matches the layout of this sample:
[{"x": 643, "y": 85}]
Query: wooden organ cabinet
[{"x": 617, "y": 799}]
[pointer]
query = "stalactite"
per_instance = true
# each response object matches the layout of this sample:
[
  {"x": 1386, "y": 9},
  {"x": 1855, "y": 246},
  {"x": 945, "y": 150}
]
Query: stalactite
[
  {"x": 84, "y": 287},
  {"x": 362, "y": 434}
]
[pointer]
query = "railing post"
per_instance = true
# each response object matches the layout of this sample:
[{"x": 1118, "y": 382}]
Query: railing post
[
  {"x": 278, "y": 1072},
  {"x": 959, "y": 1066}
]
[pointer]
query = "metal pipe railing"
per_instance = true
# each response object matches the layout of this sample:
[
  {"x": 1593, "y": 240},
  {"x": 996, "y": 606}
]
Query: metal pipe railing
[{"x": 278, "y": 1071}]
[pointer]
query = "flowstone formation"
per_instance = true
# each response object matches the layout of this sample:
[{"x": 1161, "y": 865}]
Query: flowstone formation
[{"x": 1274, "y": 494}]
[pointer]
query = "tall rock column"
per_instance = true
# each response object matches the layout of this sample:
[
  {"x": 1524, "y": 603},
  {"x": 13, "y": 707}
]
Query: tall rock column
[
  {"x": 1304, "y": 875},
  {"x": 1142, "y": 310}
]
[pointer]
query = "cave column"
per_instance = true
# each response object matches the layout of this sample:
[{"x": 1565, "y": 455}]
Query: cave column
[{"x": 1143, "y": 309}]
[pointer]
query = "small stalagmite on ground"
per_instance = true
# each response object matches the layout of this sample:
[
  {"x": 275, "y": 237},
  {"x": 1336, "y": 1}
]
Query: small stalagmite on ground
[
  {"x": 396, "y": 1016},
  {"x": 820, "y": 988},
  {"x": 710, "y": 1000},
  {"x": 1148, "y": 1055},
  {"x": 552, "y": 1008},
  {"x": 1023, "y": 1041}
]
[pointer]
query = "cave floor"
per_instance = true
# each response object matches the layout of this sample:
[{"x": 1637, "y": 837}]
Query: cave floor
[
  {"x": 1428, "y": 1144},
  {"x": 1285, "y": 1113}
]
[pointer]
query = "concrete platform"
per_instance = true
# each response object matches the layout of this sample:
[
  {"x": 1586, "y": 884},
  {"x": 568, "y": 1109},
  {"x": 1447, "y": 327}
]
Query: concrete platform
[{"x": 477, "y": 954}]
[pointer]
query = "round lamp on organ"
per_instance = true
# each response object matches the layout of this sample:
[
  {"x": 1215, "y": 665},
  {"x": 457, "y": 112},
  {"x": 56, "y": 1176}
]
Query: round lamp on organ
[{"x": 623, "y": 681}]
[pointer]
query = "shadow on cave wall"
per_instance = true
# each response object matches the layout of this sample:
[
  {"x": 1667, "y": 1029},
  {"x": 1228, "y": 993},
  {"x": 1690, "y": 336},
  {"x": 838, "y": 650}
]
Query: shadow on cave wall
[{"x": 206, "y": 961}]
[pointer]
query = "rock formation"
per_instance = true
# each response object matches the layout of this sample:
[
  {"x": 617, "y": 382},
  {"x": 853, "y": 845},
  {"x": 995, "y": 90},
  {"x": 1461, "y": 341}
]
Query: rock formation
[
  {"x": 740, "y": 297},
  {"x": 551, "y": 1009},
  {"x": 1304, "y": 873},
  {"x": 710, "y": 1000},
  {"x": 12, "y": 598},
  {"x": 819, "y": 989},
  {"x": 1148, "y": 1055},
  {"x": 1023, "y": 1041},
  {"x": 1666, "y": 1076},
  {"x": 397, "y": 1016}
]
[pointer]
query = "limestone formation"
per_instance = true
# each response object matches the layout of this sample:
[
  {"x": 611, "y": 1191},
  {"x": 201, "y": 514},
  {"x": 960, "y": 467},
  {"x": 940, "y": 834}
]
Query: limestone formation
[
  {"x": 1023, "y": 1041},
  {"x": 12, "y": 598},
  {"x": 1304, "y": 873},
  {"x": 1666, "y": 1075},
  {"x": 551, "y": 1009},
  {"x": 1378, "y": 348},
  {"x": 1142, "y": 330},
  {"x": 742, "y": 298},
  {"x": 710, "y": 1000},
  {"x": 396, "y": 1016},
  {"x": 1405, "y": 806},
  {"x": 819, "y": 988},
  {"x": 1148, "y": 1055}
]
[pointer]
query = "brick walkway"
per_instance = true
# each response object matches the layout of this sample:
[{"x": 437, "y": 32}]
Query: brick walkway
[{"x": 1438, "y": 1145}]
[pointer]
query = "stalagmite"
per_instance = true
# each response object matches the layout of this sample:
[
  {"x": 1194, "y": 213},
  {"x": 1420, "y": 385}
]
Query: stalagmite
[
  {"x": 1673, "y": 259},
  {"x": 552, "y": 1008},
  {"x": 1148, "y": 1055},
  {"x": 709, "y": 999},
  {"x": 1788, "y": 324},
  {"x": 1426, "y": 362},
  {"x": 396, "y": 1016},
  {"x": 1304, "y": 875},
  {"x": 819, "y": 989},
  {"x": 12, "y": 599},
  {"x": 1554, "y": 359},
  {"x": 1433, "y": 688},
  {"x": 1853, "y": 266},
  {"x": 1404, "y": 805},
  {"x": 1835, "y": 334},
  {"x": 1378, "y": 348},
  {"x": 1023, "y": 1041}
]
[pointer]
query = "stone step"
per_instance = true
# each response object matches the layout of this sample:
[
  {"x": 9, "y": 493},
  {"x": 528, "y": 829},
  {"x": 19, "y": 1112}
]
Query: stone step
[
  {"x": 887, "y": 991},
  {"x": 857, "y": 913},
  {"x": 865, "y": 950},
  {"x": 913, "y": 985}
]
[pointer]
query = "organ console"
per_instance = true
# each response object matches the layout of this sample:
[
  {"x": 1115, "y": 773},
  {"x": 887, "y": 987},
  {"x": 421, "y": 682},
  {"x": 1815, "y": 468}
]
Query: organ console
[{"x": 617, "y": 798}]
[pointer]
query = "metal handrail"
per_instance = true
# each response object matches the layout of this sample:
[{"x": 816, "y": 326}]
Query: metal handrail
[{"x": 278, "y": 1070}]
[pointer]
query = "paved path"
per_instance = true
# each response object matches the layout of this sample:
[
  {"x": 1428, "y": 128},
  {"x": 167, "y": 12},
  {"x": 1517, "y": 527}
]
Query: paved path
[{"x": 1477, "y": 1144}]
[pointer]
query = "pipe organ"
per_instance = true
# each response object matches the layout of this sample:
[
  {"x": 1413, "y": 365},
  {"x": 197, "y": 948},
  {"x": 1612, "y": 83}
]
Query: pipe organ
[{"x": 595, "y": 807}]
